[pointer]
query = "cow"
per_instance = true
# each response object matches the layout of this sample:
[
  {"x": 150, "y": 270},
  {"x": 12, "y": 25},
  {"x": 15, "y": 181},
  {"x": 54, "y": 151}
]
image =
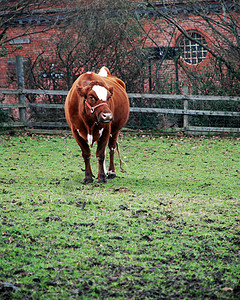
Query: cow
[{"x": 96, "y": 108}]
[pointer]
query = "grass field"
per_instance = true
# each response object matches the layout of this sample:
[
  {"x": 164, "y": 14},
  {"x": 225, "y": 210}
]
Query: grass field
[{"x": 169, "y": 228}]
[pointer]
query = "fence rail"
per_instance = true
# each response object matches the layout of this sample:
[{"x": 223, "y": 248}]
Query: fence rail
[
  {"x": 185, "y": 112},
  {"x": 184, "y": 101}
]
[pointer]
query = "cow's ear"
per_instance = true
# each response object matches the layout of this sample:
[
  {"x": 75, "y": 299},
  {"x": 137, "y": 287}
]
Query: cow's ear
[
  {"x": 82, "y": 91},
  {"x": 111, "y": 90}
]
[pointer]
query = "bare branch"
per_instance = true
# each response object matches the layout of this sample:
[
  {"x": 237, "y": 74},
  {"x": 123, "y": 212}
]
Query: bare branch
[{"x": 225, "y": 28}]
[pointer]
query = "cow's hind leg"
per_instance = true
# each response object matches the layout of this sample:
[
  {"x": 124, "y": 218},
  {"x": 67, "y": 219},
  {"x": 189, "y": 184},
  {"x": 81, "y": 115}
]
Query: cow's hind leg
[
  {"x": 86, "y": 154},
  {"x": 112, "y": 147}
]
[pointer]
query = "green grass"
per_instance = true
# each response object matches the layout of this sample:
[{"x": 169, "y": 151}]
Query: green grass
[{"x": 167, "y": 229}]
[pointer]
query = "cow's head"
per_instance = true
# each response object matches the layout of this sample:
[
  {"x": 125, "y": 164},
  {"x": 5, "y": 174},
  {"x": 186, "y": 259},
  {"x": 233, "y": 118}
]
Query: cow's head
[{"x": 97, "y": 98}]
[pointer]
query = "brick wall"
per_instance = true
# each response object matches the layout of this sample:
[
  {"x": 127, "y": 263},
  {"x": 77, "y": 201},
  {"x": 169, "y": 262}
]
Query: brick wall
[
  {"x": 158, "y": 30},
  {"x": 26, "y": 46}
]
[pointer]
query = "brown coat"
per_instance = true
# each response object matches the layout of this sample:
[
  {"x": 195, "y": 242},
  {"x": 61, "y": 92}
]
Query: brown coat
[{"x": 96, "y": 108}]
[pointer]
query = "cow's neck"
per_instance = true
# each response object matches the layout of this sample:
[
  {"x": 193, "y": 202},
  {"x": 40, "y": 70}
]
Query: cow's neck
[{"x": 89, "y": 121}]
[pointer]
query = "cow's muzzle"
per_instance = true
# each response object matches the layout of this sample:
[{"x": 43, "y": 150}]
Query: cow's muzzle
[{"x": 105, "y": 117}]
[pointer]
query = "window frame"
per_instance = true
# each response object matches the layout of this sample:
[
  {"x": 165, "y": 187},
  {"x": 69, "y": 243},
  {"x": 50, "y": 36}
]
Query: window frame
[{"x": 193, "y": 58}]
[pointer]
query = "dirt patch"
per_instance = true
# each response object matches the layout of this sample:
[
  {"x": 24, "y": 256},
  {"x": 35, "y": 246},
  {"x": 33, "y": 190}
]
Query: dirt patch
[{"x": 121, "y": 190}]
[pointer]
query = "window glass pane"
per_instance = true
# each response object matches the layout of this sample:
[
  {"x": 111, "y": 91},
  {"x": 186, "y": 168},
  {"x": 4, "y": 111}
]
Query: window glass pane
[{"x": 194, "y": 48}]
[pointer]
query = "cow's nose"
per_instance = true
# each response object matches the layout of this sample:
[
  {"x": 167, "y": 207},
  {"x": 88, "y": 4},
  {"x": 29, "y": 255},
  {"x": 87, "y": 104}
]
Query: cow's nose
[{"x": 105, "y": 117}]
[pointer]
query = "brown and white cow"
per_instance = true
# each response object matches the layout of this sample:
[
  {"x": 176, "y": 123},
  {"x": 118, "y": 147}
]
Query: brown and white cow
[{"x": 96, "y": 108}]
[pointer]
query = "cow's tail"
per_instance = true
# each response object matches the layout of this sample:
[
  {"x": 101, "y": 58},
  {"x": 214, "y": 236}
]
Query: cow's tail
[{"x": 120, "y": 161}]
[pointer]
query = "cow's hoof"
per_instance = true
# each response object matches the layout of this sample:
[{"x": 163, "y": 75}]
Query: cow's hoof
[
  {"x": 102, "y": 179},
  {"x": 111, "y": 175},
  {"x": 87, "y": 180}
]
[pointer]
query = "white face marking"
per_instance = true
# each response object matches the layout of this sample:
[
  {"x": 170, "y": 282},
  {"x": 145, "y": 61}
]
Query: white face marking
[
  {"x": 89, "y": 72},
  {"x": 101, "y": 92},
  {"x": 90, "y": 139},
  {"x": 103, "y": 72},
  {"x": 100, "y": 132}
]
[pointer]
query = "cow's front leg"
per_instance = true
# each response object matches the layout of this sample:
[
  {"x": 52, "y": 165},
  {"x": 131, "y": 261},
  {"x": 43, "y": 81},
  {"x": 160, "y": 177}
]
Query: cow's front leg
[
  {"x": 101, "y": 154},
  {"x": 86, "y": 154},
  {"x": 112, "y": 147}
]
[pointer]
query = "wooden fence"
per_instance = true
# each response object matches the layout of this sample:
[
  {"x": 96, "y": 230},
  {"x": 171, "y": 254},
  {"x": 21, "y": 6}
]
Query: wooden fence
[{"x": 22, "y": 105}]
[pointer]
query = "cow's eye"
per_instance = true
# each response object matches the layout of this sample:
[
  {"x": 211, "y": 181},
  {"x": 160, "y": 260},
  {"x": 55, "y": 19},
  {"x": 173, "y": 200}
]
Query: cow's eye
[{"x": 91, "y": 98}]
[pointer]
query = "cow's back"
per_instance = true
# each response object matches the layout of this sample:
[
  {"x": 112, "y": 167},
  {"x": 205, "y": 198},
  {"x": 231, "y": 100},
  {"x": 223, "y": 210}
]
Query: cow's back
[
  {"x": 74, "y": 106},
  {"x": 71, "y": 105},
  {"x": 120, "y": 102}
]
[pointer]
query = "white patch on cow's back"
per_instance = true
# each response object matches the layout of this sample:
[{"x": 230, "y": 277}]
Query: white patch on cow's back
[
  {"x": 100, "y": 132},
  {"x": 103, "y": 72},
  {"x": 101, "y": 92},
  {"x": 89, "y": 73},
  {"x": 90, "y": 139}
]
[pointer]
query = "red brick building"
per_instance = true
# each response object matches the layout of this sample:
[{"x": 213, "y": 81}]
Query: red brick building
[
  {"x": 28, "y": 36},
  {"x": 174, "y": 53},
  {"x": 191, "y": 37}
]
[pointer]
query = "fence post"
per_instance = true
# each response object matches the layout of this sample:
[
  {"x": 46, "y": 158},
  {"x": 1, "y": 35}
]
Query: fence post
[
  {"x": 20, "y": 83},
  {"x": 185, "y": 107}
]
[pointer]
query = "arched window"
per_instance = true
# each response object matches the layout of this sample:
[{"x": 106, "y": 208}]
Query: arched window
[{"x": 192, "y": 52}]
